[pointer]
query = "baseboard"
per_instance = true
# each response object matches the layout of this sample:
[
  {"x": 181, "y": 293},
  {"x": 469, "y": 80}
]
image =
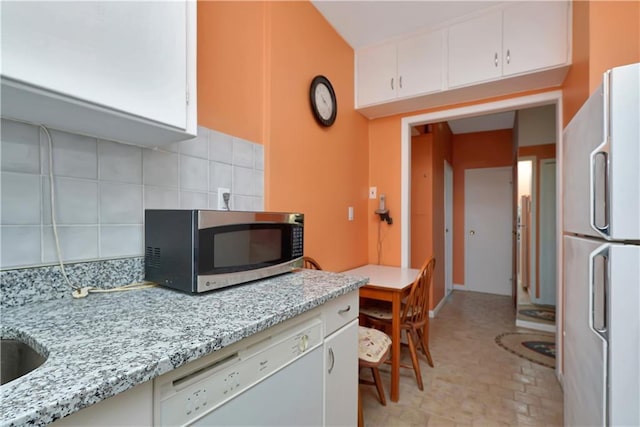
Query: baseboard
[
  {"x": 457, "y": 287},
  {"x": 433, "y": 313},
  {"x": 536, "y": 326}
]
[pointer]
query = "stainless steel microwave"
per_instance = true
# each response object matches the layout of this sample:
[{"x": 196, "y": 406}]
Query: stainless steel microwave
[{"x": 202, "y": 250}]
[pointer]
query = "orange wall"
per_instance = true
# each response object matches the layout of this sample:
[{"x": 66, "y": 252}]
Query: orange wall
[
  {"x": 474, "y": 150},
  {"x": 606, "y": 34},
  {"x": 231, "y": 67},
  {"x": 256, "y": 61},
  {"x": 319, "y": 171}
]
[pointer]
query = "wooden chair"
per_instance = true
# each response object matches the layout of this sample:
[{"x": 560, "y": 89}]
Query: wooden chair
[
  {"x": 310, "y": 263},
  {"x": 414, "y": 317},
  {"x": 373, "y": 350}
]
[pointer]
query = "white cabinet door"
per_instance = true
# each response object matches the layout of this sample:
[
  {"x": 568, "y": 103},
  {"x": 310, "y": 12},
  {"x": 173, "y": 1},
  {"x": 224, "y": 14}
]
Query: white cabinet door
[
  {"x": 376, "y": 74},
  {"x": 475, "y": 50},
  {"x": 535, "y": 36},
  {"x": 420, "y": 64},
  {"x": 341, "y": 376},
  {"x": 128, "y": 57}
]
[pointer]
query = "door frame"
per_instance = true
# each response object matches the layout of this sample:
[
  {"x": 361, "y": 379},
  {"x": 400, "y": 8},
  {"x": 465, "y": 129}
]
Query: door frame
[
  {"x": 448, "y": 228},
  {"x": 517, "y": 102}
]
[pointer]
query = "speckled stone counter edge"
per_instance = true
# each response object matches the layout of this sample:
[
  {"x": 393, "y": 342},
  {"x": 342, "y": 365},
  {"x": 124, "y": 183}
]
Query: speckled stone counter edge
[{"x": 28, "y": 285}]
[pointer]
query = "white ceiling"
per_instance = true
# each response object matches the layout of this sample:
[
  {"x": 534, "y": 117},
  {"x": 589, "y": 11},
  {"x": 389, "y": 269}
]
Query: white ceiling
[
  {"x": 362, "y": 23},
  {"x": 483, "y": 123}
]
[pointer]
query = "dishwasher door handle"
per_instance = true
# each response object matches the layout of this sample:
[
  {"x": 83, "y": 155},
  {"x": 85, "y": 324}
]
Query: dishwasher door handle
[{"x": 332, "y": 357}]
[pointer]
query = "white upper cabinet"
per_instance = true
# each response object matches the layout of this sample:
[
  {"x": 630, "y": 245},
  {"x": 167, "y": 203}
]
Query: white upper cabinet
[
  {"x": 399, "y": 69},
  {"x": 535, "y": 36},
  {"x": 475, "y": 50},
  {"x": 507, "y": 48},
  {"x": 377, "y": 74},
  {"x": 521, "y": 38},
  {"x": 126, "y": 67},
  {"x": 420, "y": 64}
]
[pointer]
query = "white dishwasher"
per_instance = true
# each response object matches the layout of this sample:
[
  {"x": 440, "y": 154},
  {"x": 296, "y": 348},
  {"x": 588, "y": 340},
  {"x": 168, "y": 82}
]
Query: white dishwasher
[{"x": 273, "y": 378}]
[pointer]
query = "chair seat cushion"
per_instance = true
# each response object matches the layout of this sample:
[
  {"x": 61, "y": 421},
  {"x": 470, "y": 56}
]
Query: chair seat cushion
[
  {"x": 383, "y": 311},
  {"x": 373, "y": 344}
]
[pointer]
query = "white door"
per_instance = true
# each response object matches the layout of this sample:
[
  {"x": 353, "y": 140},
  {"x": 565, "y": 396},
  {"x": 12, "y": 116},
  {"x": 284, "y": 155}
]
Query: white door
[
  {"x": 488, "y": 227},
  {"x": 376, "y": 74},
  {"x": 448, "y": 228},
  {"x": 547, "y": 233},
  {"x": 341, "y": 376}
]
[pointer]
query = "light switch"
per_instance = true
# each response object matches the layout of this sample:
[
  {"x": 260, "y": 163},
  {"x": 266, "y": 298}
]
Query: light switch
[
  {"x": 350, "y": 213},
  {"x": 373, "y": 193}
]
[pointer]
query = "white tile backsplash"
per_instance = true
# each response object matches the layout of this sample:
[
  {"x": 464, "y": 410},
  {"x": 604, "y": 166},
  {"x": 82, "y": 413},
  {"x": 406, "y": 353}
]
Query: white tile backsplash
[
  {"x": 242, "y": 153},
  {"x": 220, "y": 147},
  {"x": 160, "y": 168},
  {"x": 103, "y": 187},
  {"x": 120, "y": 240},
  {"x": 160, "y": 198},
  {"x": 120, "y": 203},
  {"x": 192, "y": 200},
  {"x": 20, "y": 199},
  {"x": 74, "y": 156},
  {"x": 119, "y": 162},
  {"x": 76, "y": 243},
  {"x": 20, "y": 245},
  {"x": 194, "y": 173},
  {"x": 242, "y": 181},
  {"x": 220, "y": 176},
  {"x": 20, "y": 147},
  {"x": 76, "y": 201},
  {"x": 198, "y": 146}
]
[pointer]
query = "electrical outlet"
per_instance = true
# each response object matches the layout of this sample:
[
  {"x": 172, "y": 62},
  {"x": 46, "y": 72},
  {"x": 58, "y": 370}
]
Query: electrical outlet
[
  {"x": 222, "y": 205},
  {"x": 373, "y": 193}
]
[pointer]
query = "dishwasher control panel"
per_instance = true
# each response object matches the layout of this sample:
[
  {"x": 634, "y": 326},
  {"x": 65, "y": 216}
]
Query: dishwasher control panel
[{"x": 184, "y": 395}]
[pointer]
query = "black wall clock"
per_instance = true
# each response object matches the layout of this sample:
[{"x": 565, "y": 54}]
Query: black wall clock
[{"x": 323, "y": 101}]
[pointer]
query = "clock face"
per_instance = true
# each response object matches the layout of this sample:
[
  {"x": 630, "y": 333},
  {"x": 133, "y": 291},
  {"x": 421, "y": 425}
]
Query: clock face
[{"x": 323, "y": 101}]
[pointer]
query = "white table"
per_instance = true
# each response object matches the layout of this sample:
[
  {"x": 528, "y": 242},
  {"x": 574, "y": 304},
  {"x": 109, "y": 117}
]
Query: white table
[{"x": 388, "y": 284}]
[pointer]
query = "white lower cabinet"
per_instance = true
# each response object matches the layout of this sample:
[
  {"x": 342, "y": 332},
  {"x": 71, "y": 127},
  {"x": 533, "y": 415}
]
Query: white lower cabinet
[{"x": 341, "y": 376}]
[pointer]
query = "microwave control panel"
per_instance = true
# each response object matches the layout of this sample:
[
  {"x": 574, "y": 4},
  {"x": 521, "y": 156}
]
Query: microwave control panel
[{"x": 296, "y": 242}]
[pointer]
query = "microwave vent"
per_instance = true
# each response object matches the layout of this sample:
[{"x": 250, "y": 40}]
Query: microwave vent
[{"x": 152, "y": 257}]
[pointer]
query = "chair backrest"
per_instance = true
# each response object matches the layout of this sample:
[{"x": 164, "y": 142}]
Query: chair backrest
[
  {"x": 310, "y": 263},
  {"x": 416, "y": 307}
]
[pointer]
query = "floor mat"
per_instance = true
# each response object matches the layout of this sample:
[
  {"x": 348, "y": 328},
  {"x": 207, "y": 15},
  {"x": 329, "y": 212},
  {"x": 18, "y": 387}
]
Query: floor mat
[
  {"x": 538, "y": 313},
  {"x": 535, "y": 347}
]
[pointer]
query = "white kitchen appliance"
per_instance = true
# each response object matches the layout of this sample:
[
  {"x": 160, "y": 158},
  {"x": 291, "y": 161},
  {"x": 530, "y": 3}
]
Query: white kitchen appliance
[{"x": 601, "y": 242}]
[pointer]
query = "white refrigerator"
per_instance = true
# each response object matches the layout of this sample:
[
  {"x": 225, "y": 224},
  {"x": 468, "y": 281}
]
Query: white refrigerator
[{"x": 601, "y": 255}]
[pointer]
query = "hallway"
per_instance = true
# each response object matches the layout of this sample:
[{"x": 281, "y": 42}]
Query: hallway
[{"x": 474, "y": 382}]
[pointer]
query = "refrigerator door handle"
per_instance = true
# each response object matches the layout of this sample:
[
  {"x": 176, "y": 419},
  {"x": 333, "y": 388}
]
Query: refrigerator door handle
[
  {"x": 601, "y": 150},
  {"x": 599, "y": 290}
]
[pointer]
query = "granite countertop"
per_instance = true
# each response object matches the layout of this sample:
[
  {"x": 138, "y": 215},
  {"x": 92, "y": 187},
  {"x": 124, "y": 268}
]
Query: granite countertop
[{"x": 105, "y": 344}]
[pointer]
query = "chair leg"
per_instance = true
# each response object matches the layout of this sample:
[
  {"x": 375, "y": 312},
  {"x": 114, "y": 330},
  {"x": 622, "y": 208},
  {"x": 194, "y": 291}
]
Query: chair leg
[
  {"x": 414, "y": 358},
  {"x": 424, "y": 343},
  {"x": 360, "y": 415},
  {"x": 378, "y": 382}
]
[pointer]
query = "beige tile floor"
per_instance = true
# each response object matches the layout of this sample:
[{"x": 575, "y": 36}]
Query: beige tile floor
[{"x": 475, "y": 382}]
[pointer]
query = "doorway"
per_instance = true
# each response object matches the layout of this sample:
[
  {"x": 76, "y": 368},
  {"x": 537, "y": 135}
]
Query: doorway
[{"x": 547, "y": 98}]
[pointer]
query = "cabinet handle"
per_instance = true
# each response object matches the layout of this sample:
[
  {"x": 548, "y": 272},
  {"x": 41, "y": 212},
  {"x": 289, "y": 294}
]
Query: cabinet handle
[
  {"x": 508, "y": 56},
  {"x": 345, "y": 310},
  {"x": 392, "y": 88},
  {"x": 332, "y": 358},
  {"x": 495, "y": 59},
  {"x": 400, "y": 82}
]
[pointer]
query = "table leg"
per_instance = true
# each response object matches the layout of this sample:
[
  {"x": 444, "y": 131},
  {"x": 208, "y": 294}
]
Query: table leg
[{"x": 395, "y": 346}]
